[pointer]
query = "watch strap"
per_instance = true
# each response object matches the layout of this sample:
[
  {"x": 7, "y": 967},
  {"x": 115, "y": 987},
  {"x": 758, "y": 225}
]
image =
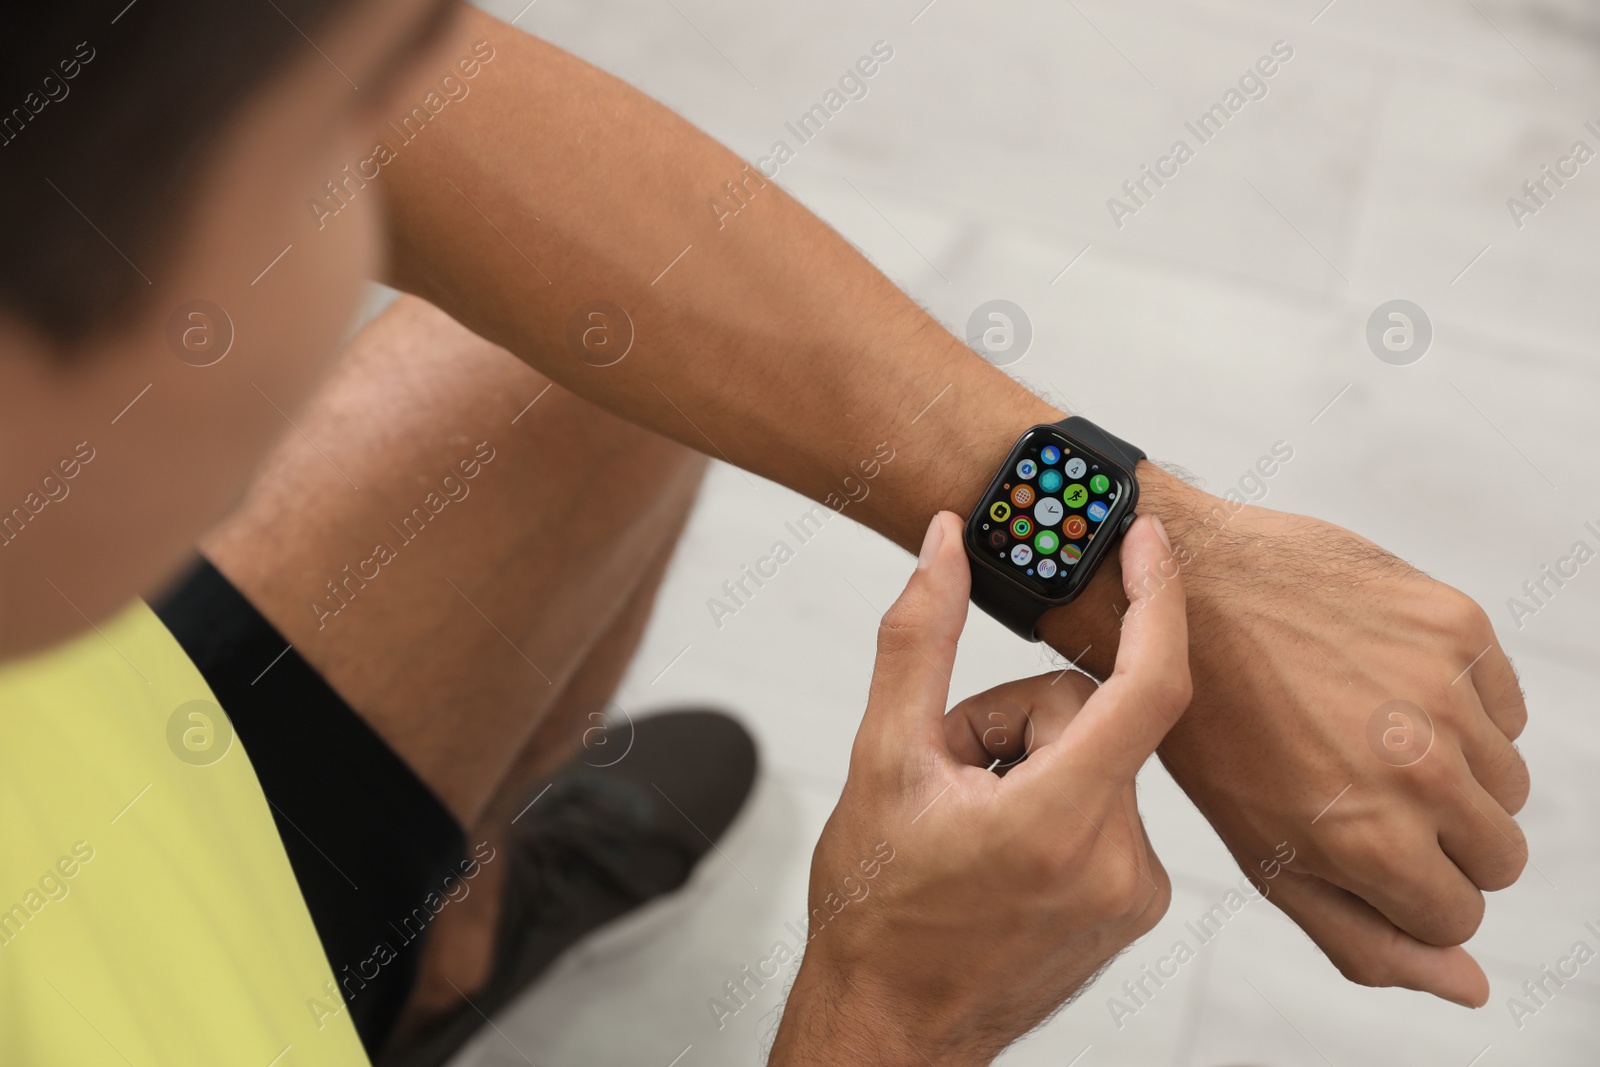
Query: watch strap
[
  {"x": 1006, "y": 602},
  {"x": 1101, "y": 441}
]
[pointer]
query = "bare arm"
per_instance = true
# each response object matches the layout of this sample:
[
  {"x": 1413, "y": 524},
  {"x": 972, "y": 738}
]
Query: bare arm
[
  {"x": 771, "y": 343},
  {"x": 764, "y": 339}
]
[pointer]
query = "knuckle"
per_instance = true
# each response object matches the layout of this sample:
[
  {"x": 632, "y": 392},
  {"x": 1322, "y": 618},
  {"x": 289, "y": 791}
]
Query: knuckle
[
  {"x": 1507, "y": 865},
  {"x": 1433, "y": 775},
  {"x": 1041, "y": 868},
  {"x": 892, "y": 638},
  {"x": 1441, "y": 922},
  {"x": 1373, "y": 859},
  {"x": 1461, "y": 614},
  {"x": 904, "y": 612},
  {"x": 1515, "y": 781},
  {"x": 1440, "y": 698},
  {"x": 1079, "y": 686},
  {"x": 1457, "y": 924},
  {"x": 907, "y": 623},
  {"x": 1118, "y": 893},
  {"x": 1175, "y": 690},
  {"x": 1519, "y": 788},
  {"x": 1502, "y": 872},
  {"x": 1168, "y": 691},
  {"x": 1156, "y": 903},
  {"x": 1516, "y": 719},
  {"x": 1047, "y": 865}
]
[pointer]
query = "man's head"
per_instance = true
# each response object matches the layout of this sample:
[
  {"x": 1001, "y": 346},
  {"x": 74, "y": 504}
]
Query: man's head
[{"x": 157, "y": 157}]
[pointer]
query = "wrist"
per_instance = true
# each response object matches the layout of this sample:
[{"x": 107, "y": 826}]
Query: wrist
[
  {"x": 1087, "y": 631},
  {"x": 953, "y": 428},
  {"x": 832, "y": 1018},
  {"x": 947, "y": 450}
]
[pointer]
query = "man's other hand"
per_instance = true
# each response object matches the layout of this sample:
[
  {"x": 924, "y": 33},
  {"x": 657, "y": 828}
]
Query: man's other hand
[{"x": 953, "y": 908}]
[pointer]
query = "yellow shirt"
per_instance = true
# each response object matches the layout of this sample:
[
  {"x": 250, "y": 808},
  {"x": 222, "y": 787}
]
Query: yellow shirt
[{"x": 148, "y": 912}]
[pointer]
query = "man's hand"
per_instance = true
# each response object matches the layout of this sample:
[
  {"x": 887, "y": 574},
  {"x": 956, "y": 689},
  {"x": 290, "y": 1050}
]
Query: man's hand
[
  {"x": 1398, "y": 814},
  {"x": 954, "y": 909}
]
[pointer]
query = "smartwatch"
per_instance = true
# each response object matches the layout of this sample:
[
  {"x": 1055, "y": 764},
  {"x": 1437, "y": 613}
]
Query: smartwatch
[{"x": 1057, "y": 508}]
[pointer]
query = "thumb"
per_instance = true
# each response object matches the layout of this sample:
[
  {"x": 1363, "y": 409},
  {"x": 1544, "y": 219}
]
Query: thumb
[
  {"x": 917, "y": 644},
  {"x": 1126, "y": 718}
]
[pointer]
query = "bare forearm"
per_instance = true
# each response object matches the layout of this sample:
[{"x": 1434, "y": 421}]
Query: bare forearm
[
  {"x": 770, "y": 342},
  {"x": 820, "y": 1033},
  {"x": 829, "y": 1020}
]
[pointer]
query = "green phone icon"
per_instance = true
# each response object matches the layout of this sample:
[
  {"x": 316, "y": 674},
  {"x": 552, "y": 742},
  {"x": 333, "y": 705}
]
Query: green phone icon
[{"x": 1099, "y": 483}]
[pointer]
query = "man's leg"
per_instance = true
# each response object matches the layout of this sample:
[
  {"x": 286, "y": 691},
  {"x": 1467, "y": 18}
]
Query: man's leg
[
  {"x": 471, "y": 621},
  {"x": 458, "y": 645},
  {"x": 458, "y": 956}
]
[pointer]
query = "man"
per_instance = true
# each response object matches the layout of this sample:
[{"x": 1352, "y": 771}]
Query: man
[{"x": 514, "y": 197}]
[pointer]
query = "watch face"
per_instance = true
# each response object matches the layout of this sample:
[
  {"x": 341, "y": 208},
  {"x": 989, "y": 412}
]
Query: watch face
[{"x": 1045, "y": 520}]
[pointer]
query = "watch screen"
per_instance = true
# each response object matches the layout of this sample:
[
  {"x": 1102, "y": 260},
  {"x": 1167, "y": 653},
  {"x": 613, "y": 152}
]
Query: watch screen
[{"x": 1050, "y": 514}]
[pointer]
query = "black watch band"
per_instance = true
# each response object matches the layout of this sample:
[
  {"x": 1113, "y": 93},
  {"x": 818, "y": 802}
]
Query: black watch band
[
  {"x": 1101, "y": 441},
  {"x": 1007, "y": 602},
  {"x": 1015, "y": 607}
]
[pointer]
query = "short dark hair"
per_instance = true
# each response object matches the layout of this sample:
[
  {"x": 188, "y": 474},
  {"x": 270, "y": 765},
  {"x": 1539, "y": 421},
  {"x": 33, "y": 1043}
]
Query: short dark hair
[{"x": 107, "y": 111}]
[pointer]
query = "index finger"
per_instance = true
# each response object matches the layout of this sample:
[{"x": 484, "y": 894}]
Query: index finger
[{"x": 1126, "y": 718}]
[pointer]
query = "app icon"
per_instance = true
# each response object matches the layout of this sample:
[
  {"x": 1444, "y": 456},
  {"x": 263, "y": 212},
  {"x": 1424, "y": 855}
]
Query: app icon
[
  {"x": 1075, "y": 495},
  {"x": 1000, "y": 511},
  {"x": 1075, "y": 527},
  {"x": 1021, "y": 554},
  {"x": 1050, "y": 453},
  {"x": 1070, "y": 555},
  {"x": 1050, "y": 481},
  {"x": 1100, "y": 483},
  {"x": 997, "y": 538},
  {"x": 1022, "y": 527},
  {"x": 1027, "y": 469},
  {"x": 1075, "y": 467},
  {"x": 1097, "y": 511},
  {"x": 1022, "y": 495},
  {"x": 1048, "y": 512},
  {"x": 1047, "y": 568},
  {"x": 1046, "y": 542}
]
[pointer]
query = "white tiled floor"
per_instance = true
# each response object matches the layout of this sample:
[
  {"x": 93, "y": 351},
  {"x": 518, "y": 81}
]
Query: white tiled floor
[{"x": 1380, "y": 162}]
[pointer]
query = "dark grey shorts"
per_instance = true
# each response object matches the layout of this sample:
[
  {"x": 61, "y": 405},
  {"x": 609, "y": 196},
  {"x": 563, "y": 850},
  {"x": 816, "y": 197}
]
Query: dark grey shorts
[{"x": 370, "y": 844}]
